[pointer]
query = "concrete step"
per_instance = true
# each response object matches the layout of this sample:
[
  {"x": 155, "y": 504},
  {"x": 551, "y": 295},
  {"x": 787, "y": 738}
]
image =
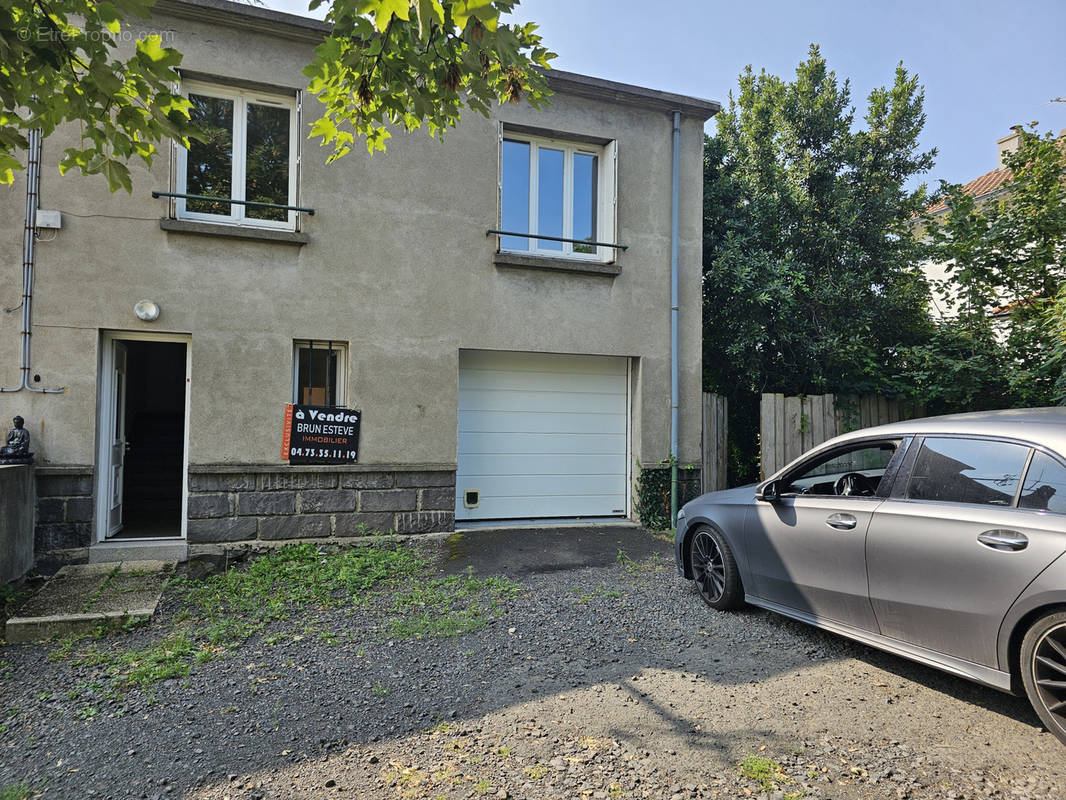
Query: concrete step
[{"x": 81, "y": 597}]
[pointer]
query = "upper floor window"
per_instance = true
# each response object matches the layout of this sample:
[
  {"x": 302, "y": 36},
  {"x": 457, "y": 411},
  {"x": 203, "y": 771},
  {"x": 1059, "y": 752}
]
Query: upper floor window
[
  {"x": 249, "y": 153},
  {"x": 558, "y": 189}
]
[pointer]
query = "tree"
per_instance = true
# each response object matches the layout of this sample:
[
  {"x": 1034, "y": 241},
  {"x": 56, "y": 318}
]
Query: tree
[
  {"x": 811, "y": 280},
  {"x": 384, "y": 63},
  {"x": 1009, "y": 254}
]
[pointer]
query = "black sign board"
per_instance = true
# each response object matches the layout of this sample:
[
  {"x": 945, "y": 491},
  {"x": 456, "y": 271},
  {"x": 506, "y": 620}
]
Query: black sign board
[{"x": 321, "y": 435}]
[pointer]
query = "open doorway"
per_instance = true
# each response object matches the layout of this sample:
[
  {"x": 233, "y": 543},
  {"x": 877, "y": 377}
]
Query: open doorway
[{"x": 142, "y": 436}]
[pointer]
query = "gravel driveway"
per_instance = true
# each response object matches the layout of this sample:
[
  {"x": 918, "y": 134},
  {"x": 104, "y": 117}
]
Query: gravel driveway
[{"x": 605, "y": 681}]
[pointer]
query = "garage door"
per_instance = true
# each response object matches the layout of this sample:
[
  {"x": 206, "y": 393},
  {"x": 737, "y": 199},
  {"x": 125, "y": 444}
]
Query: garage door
[{"x": 541, "y": 436}]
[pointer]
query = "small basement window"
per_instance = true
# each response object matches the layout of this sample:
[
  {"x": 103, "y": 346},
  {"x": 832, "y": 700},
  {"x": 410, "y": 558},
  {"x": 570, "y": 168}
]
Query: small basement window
[{"x": 319, "y": 370}]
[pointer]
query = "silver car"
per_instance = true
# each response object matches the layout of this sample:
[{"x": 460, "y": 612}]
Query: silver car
[{"x": 939, "y": 539}]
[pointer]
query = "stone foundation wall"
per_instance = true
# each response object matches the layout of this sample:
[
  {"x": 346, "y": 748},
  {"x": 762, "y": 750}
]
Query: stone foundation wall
[
  {"x": 269, "y": 503},
  {"x": 64, "y": 509}
]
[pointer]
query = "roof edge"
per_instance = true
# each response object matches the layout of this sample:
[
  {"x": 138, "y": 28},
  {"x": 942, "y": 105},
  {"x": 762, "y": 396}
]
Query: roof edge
[{"x": 295, "y": 27}]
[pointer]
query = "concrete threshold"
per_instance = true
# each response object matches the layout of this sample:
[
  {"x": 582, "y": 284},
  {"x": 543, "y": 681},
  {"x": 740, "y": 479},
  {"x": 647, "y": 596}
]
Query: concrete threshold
[{"x": 79, "y": 598}]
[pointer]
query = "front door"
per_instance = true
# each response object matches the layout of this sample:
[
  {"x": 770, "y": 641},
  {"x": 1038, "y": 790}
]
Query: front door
[
  {"x": 116, "y": 473},
  {"x": 143, "y": 436}
]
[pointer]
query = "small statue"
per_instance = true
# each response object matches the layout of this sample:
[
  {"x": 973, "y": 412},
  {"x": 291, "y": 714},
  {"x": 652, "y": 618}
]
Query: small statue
[{"x": 17, "y": 449}]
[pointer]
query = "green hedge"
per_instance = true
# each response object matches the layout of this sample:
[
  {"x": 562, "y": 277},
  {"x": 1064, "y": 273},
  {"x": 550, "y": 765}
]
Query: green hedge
[{"x": 653, "y": 492}]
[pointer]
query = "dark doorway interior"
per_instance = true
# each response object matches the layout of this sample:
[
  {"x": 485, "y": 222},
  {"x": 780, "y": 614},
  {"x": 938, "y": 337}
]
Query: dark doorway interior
[{"x": 155, "y": 438}]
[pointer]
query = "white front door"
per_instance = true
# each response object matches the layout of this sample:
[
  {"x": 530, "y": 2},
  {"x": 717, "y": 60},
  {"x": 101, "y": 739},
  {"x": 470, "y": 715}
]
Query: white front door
[{"x": 118, "y": 439}]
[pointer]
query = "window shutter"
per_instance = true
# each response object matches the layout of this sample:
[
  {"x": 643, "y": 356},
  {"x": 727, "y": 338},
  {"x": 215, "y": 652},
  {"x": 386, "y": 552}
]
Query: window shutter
[{"x": 610, "y": 204}]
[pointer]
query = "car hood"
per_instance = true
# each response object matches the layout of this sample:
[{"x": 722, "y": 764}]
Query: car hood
[{"x": 741, "y": 495}]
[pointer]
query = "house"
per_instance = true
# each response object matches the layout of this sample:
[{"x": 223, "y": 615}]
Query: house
[{"x": 475, "y": 329}]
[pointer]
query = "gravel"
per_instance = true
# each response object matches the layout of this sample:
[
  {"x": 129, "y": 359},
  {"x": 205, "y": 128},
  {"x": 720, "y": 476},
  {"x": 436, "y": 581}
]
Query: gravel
[{"x": 605, "y": 682}]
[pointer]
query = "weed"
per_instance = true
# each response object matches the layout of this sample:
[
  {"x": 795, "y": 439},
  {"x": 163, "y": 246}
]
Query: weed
[
  {"x": 380, "y": 690},
  {"x": 764, "y": 770},
  {"x": 535, "y": 772},
  {"x": 482, "y": 786},
  {"x": 503, "y": 752},
  {"x": 87, "y": 713},
  {"x": 15, "y": 791},
  {"x": 450, "y": 606},
  {"x": 600, "y": 591},
  {"x": 44, "y": 695}
]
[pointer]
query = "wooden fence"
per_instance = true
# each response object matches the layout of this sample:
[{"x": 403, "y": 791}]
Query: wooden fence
[
  {"x": 789, "y": 426},
  {"x": 715, "y": 438}
]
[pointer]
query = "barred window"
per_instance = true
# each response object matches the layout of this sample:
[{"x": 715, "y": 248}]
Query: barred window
[{"x": 318, "y": 372}]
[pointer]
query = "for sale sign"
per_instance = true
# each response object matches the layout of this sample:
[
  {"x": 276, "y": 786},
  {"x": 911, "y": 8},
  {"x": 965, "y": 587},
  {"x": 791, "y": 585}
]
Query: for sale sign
[{"x": 320, "y": 435}]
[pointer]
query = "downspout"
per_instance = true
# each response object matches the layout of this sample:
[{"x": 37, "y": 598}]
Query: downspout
[
  {"x": 33, "y": 191},
  {"x": 675, "y": 390}
]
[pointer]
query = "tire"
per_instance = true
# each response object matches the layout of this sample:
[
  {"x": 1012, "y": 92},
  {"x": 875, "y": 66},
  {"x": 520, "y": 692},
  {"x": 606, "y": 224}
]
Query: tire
[
  {"x": 714, "y": 569},
  {"x": 1043, "y": 665}
]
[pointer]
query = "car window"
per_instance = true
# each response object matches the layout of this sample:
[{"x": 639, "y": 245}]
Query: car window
[
  {"x": 975, "y": 471},
  {"x": 1044, "y": 488},
  {"x": 865, "y": 462}
]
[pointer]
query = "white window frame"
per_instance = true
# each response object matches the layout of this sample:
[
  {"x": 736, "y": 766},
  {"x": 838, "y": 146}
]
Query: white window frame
[
  {"x": 606, "y": 197},
  {"x": 238, "y": 213},
  {"x": 339, "y": 347}
]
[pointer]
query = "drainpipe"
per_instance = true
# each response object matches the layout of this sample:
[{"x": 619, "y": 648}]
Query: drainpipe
[
  {"x": 674, "y": 382},
  {"x": 33, "y": 191}
]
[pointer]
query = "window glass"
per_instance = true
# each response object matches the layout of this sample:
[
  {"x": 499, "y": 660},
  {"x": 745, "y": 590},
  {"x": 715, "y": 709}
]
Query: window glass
[
  {"x": 267, "y": 161},
  {"x": 550, "y": 197},
  {"x": 866, "y": 463},
  {"x": 514, "y": 212},
  {"x": 586, "y": 168},
  {"x": 209, "y": 169},
  {"x": 319, "y": 377},
  {"x": 967, "y": 471},
  {"x": 1044, "y": 488}
]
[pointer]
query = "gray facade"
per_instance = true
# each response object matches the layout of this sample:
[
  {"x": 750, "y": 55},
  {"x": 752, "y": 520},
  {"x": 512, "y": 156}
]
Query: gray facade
[{"x": 394, "y": 268}]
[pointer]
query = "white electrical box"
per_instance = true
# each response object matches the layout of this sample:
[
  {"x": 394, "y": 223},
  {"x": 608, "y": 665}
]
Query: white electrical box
[{"x": 49, "y": 219}]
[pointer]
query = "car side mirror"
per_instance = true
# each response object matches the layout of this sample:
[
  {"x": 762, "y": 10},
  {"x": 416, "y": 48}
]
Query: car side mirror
[{"x": 769, "y": 492}]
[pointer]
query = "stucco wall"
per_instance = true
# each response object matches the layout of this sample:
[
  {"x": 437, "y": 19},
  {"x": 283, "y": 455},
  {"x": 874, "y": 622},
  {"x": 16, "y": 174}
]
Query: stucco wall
[{"x": 398, "y": 265}]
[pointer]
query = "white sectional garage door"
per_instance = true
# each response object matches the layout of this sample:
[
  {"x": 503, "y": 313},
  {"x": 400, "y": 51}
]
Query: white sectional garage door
[{"x": 541, "y": 435}]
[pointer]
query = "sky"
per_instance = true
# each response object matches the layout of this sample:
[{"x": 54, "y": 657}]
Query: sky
[{"x": 985, "y": 66}]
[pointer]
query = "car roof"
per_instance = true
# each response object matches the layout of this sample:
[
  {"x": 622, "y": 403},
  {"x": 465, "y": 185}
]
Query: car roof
[{"x": 1045, "y": 426}]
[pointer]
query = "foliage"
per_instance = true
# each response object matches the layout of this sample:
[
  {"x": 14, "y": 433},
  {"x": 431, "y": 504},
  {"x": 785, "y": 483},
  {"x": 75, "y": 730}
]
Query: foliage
[
  {"x": 15, "y": 791},
  {"x": 414, "y": 62},
  {"x": 384, "y": 63},
  {"x": 653, "y": 492},
  {"x": 811, "y": 280},
  {"x": 1008, "y": 253},
  {"x": 447, "y": 607},
  {"x": 765, "y": 771},
  {"x": 61, "y": 63}
]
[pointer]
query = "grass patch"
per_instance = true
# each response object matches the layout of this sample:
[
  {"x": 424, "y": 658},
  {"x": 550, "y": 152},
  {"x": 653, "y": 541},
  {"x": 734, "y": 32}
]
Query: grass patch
[
  {"x": 445, "y": 607},
  {"x": 15, "y": 791},
  {"x": 765, "y": 771}
]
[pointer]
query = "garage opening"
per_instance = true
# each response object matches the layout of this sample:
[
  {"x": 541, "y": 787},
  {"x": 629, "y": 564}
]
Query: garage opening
[{"x": 542, "y": 436}]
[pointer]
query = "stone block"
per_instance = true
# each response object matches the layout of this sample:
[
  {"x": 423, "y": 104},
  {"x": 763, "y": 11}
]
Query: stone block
[
  {"x": 421, "y": 479},
  {"x": 221, "y": 482},
  {"x": 388, "y": 500},
  {"x": 224, "y": 529},
  {"x": 326, "y": 500},
  {"x": 61, "y": 535},
  {"x": 80, "y": 509},
  {"x": 362, "y": 524},
  {"x": 206, "y": 506},
  {"x": 437, "y": 499},
  {"x": 425, "y": 521},
  {"x": 274, "y": 481},
  {"x": 64, "y": 485},
  {"x": 368, "y": 480},
  {"x": 298, "y": 526},
  {"x": 50, "y": 509},
  {"x": 266, "y": 503}
]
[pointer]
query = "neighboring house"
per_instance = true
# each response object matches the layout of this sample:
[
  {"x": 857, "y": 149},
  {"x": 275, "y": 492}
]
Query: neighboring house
[
  {"x": 499, "y": 377},
  {"x": 982, "y": 189}
]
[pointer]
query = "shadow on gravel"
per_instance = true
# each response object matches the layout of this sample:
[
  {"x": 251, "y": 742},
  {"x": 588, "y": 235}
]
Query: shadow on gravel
[{"x": 599, "y": 608}]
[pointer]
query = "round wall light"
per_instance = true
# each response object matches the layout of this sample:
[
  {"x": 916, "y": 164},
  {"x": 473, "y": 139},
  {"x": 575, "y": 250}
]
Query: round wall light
[{"x": 147, "y": 311}]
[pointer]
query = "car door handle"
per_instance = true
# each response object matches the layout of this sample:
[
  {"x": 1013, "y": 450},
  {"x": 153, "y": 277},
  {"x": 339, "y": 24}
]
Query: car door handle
[
  {"x": 1004, "y": 540},
  {"x": 841, "y": 522}
]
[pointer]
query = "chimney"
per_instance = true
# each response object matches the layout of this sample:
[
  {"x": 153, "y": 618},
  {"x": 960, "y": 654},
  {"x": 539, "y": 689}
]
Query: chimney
[{"x": 1009, "y": 144}]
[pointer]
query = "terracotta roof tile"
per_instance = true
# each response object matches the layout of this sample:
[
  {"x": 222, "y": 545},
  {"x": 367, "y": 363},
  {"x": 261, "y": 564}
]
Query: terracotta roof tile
[{"x": 978, "y": 187}]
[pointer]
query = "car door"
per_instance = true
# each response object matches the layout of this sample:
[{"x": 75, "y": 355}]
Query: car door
[
  {"x": 807, "y": 548},
  {"x": 949, "y": 552}
]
